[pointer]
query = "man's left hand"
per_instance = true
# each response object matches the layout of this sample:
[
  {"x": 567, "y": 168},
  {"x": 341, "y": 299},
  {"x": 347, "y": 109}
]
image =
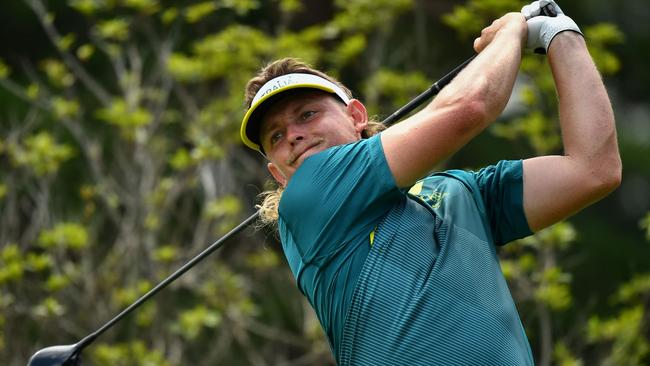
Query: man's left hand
[{"x": 545, "y": 20}]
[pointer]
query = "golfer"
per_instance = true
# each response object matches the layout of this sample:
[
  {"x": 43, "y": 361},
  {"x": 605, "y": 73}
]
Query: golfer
[{"x": 399, "y": 263}]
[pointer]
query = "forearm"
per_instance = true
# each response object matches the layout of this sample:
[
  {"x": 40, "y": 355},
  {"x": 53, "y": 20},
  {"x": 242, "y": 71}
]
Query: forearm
[
  {"x": 488, "y": 80},
  {"x": 586, "y": 116},
  {"x": 463, "y": 109},
  {"x": 556, "y": 187}
]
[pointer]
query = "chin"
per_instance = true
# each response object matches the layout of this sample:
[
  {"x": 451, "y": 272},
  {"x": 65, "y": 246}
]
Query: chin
[{"x": 304, "y": 156}]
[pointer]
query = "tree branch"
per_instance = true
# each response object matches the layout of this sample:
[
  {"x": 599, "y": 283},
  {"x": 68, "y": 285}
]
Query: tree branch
[{"x": 54, "y": 36}]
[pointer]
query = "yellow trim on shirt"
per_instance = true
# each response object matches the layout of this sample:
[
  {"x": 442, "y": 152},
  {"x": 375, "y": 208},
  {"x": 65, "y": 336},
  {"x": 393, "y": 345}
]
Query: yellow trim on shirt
[{"x": 417, "y": 188}]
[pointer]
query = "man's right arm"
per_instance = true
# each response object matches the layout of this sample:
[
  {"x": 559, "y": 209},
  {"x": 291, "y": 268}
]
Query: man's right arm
[{"x": 464, "y": 108}]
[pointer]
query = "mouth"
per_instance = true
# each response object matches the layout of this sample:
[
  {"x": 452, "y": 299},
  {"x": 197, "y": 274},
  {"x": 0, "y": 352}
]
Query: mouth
[{"x": 295, "y": 156}]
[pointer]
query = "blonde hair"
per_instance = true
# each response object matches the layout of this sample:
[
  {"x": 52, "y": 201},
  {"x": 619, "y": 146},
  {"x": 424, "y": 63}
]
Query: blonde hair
[{"x": 271, "y": 198}]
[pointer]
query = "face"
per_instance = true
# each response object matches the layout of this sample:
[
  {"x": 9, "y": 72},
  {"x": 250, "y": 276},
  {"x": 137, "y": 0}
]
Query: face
[{"x": 305, "y": 123}]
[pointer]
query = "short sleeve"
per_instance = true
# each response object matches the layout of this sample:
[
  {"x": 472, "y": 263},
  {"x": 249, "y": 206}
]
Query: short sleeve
[
  {"x": 501, "y": 188},
  {"x": 336, "y": 195}
]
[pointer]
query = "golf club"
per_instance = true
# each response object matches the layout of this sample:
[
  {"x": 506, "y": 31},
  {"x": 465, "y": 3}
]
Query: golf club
[{"x": 70, "y": 355}]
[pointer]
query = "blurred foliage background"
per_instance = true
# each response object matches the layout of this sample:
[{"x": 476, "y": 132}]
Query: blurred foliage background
[{"x": 120, "y": 160}]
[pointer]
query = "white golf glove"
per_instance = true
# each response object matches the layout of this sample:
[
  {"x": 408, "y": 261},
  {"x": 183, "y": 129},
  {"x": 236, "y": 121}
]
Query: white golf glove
[{"x": 545, "y": 20}]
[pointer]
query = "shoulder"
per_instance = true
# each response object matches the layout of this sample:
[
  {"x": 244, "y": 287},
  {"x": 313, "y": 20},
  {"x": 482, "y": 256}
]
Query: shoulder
[{"x": 337, "y": 186}]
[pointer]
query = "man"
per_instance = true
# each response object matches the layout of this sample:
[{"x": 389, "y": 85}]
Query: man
[{"x": 413, "y": 278}]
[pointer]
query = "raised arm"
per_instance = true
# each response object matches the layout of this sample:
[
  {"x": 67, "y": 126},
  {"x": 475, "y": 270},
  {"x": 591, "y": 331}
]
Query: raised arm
[
  {"x": 465, "y": 107},
  {"x": 557, "y": 186}
]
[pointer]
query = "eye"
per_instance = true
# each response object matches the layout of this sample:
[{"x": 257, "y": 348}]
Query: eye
[
  {"x": 275, "y": 137},
  {"x": 307, "y": 114}
]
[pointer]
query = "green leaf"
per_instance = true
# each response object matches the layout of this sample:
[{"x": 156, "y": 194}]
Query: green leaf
[
  {"x": 243, "y": 7},
  {"x": 146, "y": 315},
  {"x": 469, "y": 19},
  {"x": 181, "y": 159},
  {"x": 125, "y": 296},
  {"x": 144, "y": 6},
  {"x": 636, "y": 289},
  {"x": 169, "y": 15},
  {"x": 564, "y": 357},
  {"x": 599, "y": 38},
  {"x": 291, "y": 6},
  {"x": 555, "y": 296},
  {"x": 397, "y": 87},
  {"x": 87, "y": 7},
  {"x": 206, "y": 149},
  {"x": 540, "y": 131},
  {"x": 555, "y": 274},
  {"x": 263, "y": 260},
  {"x": 159, "y": 194},
  {"x": 348, "y": 50},
  {"x": 125, "y": 116},
  {"x": 85, "y": 52},
  {"x": 626, "y": 334},
  {"x": 40, "y": 153},
  {"x": 185, "y": 68},
  {"x": 166, "y": 254},
  {"x": 4, "y": 70},
  {"x": 604, "y": 34},
  {"x": 225, "y": 206},
  {"x": 56, "y": 282},
  {"x": 11, "y": 271},
  {"x": 509, "y": 269},
  {"x": 32, "y": 91},
  {"x": 152, "y": 221},
  {"x": 65, "y": 108},
  {"x": 527, "y": 263},
  {"x": 57, "y": 73},
  {"x": 366, "y": 15},
  {"x": 644, "y": 223},
  {"x": 464, "y": 21},
  {"x": 234, "y": 53},
  {"x": 65, "y": 235},
  {"x": 50, "y": 307},
  {"x": 133, "y": 353},
  {"x": 191, "y": 322},
  {"x": 303, "y": 45},
  {"x": 10, "y": 253},
  {"x": 626, "y": 324},
  {"x": 113, "y": 29},
  {"x": 38, "y": 262},
  {"x": 65, "y": 42},
  {"x": 560, "y": 235},
  {"x": 199, "y": 11}
]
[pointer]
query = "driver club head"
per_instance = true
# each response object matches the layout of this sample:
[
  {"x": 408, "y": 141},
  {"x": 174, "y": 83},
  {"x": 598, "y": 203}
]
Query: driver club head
[{"x": 67, "y": 355}]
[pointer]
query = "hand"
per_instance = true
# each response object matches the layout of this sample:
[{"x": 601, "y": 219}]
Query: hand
[
  {"x": 513, "y": 23},
  {"x": 545, "y": 20},
  {"x": 543, "y": 7}
]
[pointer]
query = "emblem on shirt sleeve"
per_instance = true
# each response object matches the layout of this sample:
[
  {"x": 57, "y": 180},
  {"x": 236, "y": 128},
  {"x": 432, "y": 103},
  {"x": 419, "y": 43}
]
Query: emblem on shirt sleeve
[{"x": 427, "y": 194}]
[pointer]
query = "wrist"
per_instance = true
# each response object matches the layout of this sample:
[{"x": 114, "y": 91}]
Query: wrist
[
  {"x": 543, "y": 29},
  {"x": 519, "y": 29},
  {"x": 566, "y": 41},
  {"x": 514, "y": 31}
]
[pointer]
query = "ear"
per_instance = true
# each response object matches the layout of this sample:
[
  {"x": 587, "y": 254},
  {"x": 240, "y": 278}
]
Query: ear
[
  {"x": 359, "y": 115},
  {"x": 277, "y": 174}
]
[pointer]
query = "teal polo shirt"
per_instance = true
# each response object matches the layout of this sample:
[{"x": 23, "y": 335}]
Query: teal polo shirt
[{"x": 427, "y": 288}]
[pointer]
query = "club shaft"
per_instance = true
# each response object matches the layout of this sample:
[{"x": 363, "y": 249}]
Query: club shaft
[
  {"x": 427, "y": 94},
  {"x": 399, "y": 114},
  {"x": 179, "y": 272}
]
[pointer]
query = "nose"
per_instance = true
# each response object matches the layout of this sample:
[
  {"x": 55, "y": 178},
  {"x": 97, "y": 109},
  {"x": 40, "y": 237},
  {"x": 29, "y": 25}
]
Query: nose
[{"x": 295, "y": 133}]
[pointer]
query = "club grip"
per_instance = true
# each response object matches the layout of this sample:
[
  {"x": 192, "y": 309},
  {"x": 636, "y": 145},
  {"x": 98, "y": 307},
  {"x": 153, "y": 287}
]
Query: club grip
[{"x": 549, "y": 11}]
